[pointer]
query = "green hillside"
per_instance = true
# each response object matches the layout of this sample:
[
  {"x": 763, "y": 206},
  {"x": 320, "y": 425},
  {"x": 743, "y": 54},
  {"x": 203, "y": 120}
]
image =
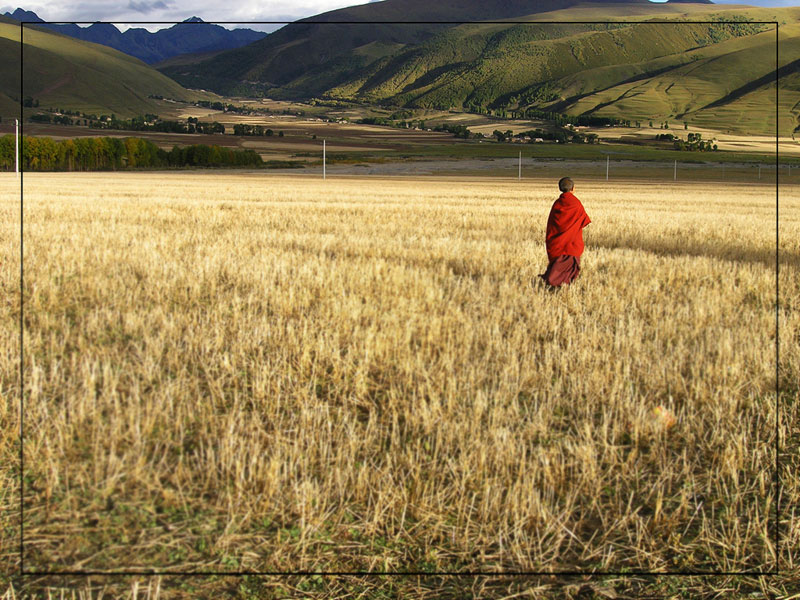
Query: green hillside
[
  {"x": 492, "y": 67},
  {"x": 728, "y": 85},
  {"x": 326, "y": 47},
  {"x": 716, "y": 74},
  {"x": 62, "y": 72}
]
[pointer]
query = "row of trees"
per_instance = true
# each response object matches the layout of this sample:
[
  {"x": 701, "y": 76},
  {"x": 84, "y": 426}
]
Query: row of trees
[
  {"x": 153, "y": 123},
  {"x": 202, "y": 155},
  {"x": 393, "y": 122},
  {"x": 258, "y": 109},
  {"x": 460, "y": 131},
  {"x": 232, "y": 108},
  {"x": 561, "y": 136},
  {"x": 46, "y": 118},
  {"x": 103, "y": 153},
  {"x": 253, "y": 130},
  {"x": 694, "y": 142},
  {"x": 146, "y": 122},
  {"x": 579, "y": 120},
  {"x": 201, "y": 127}
]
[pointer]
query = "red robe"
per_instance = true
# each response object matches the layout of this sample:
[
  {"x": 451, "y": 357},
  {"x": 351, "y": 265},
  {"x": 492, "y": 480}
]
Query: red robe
[{"x": 565, "y": 227}]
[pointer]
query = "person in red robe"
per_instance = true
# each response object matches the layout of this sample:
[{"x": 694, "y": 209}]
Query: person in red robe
[{"x": 564, "y": 236}]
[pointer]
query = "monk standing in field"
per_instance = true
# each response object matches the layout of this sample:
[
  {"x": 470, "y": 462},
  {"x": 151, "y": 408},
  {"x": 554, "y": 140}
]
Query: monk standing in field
[{"x": 564, "y": 236}]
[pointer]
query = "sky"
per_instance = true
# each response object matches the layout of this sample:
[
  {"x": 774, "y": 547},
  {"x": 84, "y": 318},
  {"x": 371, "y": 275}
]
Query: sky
[{"x": 121, "y": 12}]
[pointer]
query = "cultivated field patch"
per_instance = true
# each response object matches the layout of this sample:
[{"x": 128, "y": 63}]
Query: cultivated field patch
[{"x": 251, "y": 372}]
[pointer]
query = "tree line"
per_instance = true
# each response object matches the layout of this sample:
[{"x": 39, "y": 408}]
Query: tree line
[
  {"x": 561, "y": 137},
  {"x": 694, "y": 142},
  {"x": 579, "y": 120},
  {"x": 104, "y": 153},
  {"x": 253, "y": 130},
  {"x": 146, "y": 122},
  {"x": 153, "y": 123}
]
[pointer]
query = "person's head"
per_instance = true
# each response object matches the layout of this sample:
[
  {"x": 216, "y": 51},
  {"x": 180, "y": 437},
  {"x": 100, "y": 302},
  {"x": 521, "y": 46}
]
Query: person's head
[{"x": 565, "y": 184}]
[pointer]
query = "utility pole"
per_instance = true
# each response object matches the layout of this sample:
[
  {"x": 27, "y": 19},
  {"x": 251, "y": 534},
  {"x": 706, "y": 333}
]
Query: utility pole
[
  {"x": 324, "y": 174},
  {"x": 675, "y": 175},
  {"x": 16, "y": 147},
  {"x": 519, "y": 176},
  {"x": 608, "y": 159}
]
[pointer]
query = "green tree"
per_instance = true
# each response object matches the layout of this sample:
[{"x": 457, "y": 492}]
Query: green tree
[{"x": 7, "y": 152}]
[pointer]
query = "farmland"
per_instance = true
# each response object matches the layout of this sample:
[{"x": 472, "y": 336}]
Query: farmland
[
  {"x": 238, "y": 371},
  {"x": 294, "y": 133}
]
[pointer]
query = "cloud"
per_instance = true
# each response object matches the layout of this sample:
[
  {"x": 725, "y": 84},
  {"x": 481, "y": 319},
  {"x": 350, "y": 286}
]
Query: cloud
[{"x": 147, "y": 7}]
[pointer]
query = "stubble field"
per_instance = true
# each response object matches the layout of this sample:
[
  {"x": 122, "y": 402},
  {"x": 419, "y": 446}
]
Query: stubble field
[{"x": 229, "y": 372}]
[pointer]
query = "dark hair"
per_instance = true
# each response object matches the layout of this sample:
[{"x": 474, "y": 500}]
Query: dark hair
[{"x": 565, "y": 184}]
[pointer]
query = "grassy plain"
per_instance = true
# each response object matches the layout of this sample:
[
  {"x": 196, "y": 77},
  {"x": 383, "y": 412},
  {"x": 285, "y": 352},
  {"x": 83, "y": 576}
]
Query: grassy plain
[{"x": 232, "y": 372}]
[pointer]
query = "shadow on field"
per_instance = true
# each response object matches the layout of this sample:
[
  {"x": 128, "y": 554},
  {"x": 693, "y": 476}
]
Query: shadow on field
[
  {"x": 457, "y": 266},
  {"x": 727, "y": 251},
  {"x": 477, "y": 269}
]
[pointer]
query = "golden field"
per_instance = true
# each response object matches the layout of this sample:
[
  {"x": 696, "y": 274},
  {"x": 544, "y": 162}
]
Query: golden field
[{"x": 236, "y": 372}]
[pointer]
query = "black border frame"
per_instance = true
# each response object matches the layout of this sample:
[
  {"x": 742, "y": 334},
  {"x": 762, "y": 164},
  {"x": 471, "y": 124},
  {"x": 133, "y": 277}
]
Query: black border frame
[{"x": 155, "y": 572}]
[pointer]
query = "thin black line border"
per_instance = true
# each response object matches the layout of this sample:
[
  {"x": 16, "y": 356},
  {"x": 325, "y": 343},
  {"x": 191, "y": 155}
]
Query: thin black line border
[{"x": 568, "y": 573}]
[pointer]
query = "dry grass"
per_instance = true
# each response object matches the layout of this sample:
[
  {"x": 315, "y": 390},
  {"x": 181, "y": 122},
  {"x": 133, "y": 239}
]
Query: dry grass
[{"x": 228, "y": 372}]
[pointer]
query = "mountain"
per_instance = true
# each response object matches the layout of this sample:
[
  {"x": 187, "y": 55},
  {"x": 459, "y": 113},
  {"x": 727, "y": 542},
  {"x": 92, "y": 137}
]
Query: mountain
[
  {"x": 698, "y": 71},
  {"x": 331, "y": 41},
  {"x": 191, "y": 36},
  {"x": 62, "y": 72},
  {"x": 24, "y": 15}
]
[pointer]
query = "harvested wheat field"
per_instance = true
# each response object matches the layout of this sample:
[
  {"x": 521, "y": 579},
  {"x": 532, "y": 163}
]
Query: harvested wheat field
[{"x": 232, "y": 372}]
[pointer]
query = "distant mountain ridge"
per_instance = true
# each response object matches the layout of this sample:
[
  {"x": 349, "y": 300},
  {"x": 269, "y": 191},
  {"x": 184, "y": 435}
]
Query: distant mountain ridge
[{"x": 191, "y": 36}]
